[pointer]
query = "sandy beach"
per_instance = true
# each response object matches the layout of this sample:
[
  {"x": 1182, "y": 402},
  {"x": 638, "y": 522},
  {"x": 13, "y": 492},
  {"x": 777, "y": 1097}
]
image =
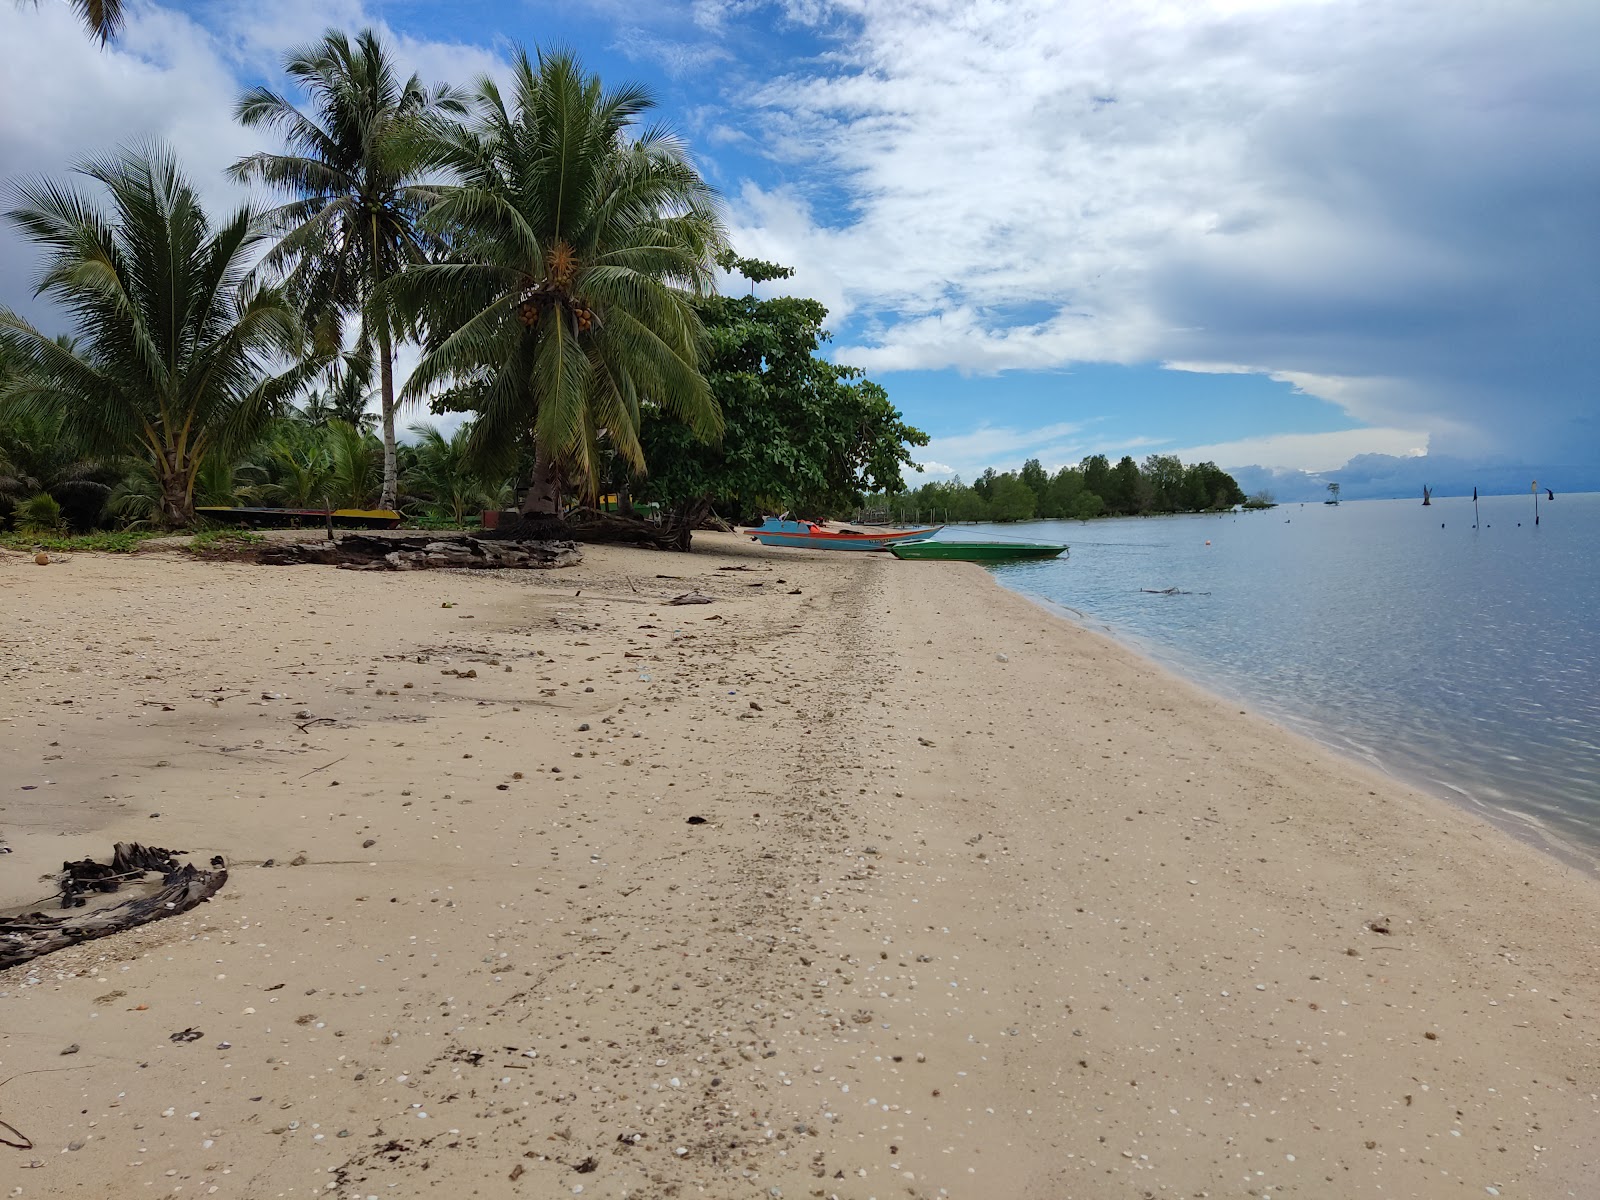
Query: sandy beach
[{"x": 869, "y": 879}]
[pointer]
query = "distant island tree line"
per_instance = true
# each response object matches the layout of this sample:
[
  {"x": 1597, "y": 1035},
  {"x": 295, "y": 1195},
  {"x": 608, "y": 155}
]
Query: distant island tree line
[{"x": 1094, "y": 488}]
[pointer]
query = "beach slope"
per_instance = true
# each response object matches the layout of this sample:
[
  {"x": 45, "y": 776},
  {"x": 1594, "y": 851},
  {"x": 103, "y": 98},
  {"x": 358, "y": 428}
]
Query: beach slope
[{"x": 867, "y": 879}]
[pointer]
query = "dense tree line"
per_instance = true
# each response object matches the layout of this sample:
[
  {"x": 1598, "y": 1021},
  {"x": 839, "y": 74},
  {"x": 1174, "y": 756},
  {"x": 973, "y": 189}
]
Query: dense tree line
[
  {"x": 1095, "y": 487},
  {"x": 549, "y": 247}
]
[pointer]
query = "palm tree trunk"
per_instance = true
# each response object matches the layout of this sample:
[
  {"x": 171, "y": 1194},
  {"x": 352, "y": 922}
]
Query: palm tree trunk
[
  {"x": 390, "y": 498},
  {"x": 544, "y": 493},
  {"x": 177, "y": 503}
]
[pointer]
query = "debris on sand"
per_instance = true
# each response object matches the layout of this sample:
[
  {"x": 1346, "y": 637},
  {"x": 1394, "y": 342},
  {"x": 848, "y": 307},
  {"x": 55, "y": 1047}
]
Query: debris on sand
[
  {"x": 362, "y": 552},
  {"x": 26, "y": 937}
]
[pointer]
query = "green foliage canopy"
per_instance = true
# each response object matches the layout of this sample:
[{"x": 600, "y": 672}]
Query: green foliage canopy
[
  {"x": 800, "y": 433},
  {"x": 579, "y": 241},
  {"x": 175, "y": 346}
]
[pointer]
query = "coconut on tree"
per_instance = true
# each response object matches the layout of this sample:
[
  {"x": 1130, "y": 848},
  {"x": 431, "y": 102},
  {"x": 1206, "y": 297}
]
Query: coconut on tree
[
  {"x": 356, "y": 166},
  {"x": 579, "y": 241},
  {"x": 175, "y": 347}
]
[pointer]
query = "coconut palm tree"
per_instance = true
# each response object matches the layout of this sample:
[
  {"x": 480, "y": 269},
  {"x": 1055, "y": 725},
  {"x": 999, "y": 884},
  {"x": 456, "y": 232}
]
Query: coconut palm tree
[
  {"x": 579, "y": 241},
  {"x": 445, "y": 475},
  {"x": 355, "y": 167},
  {"x": 176, "y": 347}
]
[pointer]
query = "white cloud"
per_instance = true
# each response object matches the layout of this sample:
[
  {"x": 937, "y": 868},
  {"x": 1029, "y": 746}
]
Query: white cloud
[
  {"x": 167, "y": 78},
  {"x": 1390, "y": 206}
]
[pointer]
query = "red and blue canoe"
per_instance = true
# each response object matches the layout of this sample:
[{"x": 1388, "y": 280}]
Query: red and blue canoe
[{"x": 808, "y": 535}]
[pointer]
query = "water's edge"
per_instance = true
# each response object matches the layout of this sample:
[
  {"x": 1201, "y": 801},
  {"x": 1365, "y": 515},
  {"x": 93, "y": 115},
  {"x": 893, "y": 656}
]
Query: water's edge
[{"x": 1522, "y": 827}]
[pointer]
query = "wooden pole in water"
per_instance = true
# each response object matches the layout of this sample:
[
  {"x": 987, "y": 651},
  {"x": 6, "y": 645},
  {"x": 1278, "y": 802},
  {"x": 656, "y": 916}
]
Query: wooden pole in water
[
  {"x": 1536, "y": 502},
  {"x": 1475, "y": 508}
]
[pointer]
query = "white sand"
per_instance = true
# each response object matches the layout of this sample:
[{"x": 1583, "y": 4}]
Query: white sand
[{"x": 1054, "y": 927}]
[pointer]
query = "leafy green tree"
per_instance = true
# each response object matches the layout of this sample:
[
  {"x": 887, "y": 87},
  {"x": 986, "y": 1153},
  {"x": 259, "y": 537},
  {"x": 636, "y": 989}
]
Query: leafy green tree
[
  {"x": 954, "y": 500},
  {"x": 800, "y": 433},
  {"x": 173, "y": 340},
  {"x": 1065, "y": 489},
  {"x": 1123, "y": 493},
  {"x": 355, "y": 166},
  {"x": 1011, "y": 499},
  {"x": 1163, "y": 476},
  {"x": 1097, "y": 475},
  {"x": 579, "y": 243},
  {"x": 1088, "y": 506},
  {"x": 1037, "y": 481},
  {"x": 1205, "y": 485}
]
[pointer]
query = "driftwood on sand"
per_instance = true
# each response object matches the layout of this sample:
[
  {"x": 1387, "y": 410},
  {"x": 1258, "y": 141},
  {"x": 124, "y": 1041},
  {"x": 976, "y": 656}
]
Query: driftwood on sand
[
  {"x": 363, "y": 552},
  {"x": 29, "y": 935}
]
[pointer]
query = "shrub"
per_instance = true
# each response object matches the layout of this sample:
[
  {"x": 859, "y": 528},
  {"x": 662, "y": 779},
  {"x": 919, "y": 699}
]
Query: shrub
[{"x": 40, "y": 514}]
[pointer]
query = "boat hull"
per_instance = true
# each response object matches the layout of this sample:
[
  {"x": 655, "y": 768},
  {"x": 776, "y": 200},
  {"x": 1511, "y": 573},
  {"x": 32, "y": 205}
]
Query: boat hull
[
  {"x": 804, "y": 535},
  {"x": 345, "y": 518},
  {"x": 977, "y": 551}
]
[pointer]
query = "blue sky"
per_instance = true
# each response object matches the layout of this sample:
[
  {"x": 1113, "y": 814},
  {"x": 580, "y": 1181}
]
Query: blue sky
[{"x": 1281, "y": 235}]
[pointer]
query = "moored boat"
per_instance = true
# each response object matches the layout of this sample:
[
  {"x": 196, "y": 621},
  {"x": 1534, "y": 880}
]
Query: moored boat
[
  {"x": 979, "y": 551},
  {"x": 808, "y": 535},
  {"x": 345, "y": 518}
]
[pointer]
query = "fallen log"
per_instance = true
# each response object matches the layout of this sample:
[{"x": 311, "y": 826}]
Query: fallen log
[
  {"x": 26, "y": 937},
  {"x": 366, "y": 552}
]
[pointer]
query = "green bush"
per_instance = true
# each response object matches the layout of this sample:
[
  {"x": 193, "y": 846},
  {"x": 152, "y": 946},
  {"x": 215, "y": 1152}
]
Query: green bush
[{"x": 40, "y": 514}]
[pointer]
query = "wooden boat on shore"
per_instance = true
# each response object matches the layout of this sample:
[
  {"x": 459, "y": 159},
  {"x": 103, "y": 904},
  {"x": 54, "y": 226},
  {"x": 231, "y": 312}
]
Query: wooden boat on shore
[
  {"x": 808, "y": 535},
  {"x": 345, "y": 518},
  {"x": 978, "y": 551}
]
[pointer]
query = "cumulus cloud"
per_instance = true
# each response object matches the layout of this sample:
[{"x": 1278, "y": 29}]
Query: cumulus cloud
[
  {"x": 65, "y": 99},
  {"x": 168, "y": 78},
  {"x": 1391, "y": 206}
]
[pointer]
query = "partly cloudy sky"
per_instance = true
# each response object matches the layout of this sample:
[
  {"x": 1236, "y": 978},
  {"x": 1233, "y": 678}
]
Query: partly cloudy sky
[{"x": 1282, "y": 235}]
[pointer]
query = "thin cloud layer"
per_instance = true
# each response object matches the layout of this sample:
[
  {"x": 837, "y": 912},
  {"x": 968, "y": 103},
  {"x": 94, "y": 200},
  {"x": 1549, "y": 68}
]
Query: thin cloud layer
[{"x": 1392, "y": 205}]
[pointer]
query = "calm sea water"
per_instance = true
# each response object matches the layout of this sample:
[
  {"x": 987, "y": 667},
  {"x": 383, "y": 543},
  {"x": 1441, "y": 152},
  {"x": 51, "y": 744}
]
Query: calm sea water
[{"x": 1465, "y": 660}]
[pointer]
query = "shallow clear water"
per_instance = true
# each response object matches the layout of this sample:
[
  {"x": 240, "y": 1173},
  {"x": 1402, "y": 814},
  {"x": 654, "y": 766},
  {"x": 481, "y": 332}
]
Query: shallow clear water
[{"x": 1467, "y": 660}]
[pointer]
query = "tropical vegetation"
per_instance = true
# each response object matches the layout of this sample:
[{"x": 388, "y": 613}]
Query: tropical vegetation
[
  {"x": 579, "y": 241},
  {"x": 355, "y": 169},
  {"x": 801, "y": 434},
  {"x": 544, "y": 244},
  {"x": 175, "y": 346}
]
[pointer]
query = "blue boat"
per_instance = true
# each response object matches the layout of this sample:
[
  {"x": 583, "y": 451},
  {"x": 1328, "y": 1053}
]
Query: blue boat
[{"x": 808, "y": 535}]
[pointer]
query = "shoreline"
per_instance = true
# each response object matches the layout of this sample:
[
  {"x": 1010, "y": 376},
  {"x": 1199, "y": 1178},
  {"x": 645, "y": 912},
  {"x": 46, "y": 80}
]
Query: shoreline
[
  {"x": 981, "y": 903},
  {"x": 1524, "y": 828}
]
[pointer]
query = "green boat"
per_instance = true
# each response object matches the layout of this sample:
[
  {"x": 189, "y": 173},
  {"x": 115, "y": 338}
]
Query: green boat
[{"x": 977, "y": 551}]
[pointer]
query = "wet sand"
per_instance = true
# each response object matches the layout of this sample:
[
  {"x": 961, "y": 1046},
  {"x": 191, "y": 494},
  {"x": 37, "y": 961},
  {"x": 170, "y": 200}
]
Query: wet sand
[{"x": 979, "y": 903}]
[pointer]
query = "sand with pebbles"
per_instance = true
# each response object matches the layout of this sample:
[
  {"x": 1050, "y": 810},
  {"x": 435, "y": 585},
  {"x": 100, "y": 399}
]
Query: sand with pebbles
[{"x": 805, "y": 892}]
